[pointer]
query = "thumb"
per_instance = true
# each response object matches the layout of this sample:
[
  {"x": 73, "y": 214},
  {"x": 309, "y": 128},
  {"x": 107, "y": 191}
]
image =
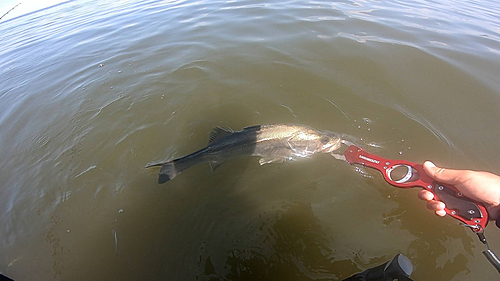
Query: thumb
[{"x": 443, "y": 175}]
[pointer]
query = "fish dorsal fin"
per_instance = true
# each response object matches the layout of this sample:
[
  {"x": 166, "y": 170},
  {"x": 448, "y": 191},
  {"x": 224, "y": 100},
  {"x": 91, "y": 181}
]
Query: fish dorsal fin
[
  {"x": 218, "y": 133},
  {"x": 252, "y": 128}
]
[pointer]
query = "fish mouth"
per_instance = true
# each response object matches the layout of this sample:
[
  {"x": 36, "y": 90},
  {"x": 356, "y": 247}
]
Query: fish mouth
[{"x": 338, "y": 156}]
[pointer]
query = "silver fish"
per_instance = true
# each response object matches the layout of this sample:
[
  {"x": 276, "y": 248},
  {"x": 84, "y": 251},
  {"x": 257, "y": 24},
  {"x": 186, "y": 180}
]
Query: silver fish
[{"x": 273, "y": 143}]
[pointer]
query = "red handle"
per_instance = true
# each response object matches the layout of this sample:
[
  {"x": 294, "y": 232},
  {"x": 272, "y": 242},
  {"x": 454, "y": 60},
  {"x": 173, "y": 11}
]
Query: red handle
[{"x": 468, "y": 211}]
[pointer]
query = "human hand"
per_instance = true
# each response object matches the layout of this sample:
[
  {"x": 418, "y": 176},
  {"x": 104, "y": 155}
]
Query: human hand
[{"x": 482, "y": 187}]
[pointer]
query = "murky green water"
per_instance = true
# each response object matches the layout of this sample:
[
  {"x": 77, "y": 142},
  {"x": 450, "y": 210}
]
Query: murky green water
[{"x": 91, "y": 91}]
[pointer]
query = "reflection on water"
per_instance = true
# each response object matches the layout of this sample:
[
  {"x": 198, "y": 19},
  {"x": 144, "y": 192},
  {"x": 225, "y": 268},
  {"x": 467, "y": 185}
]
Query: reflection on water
[{"x": 93, "y": 90}]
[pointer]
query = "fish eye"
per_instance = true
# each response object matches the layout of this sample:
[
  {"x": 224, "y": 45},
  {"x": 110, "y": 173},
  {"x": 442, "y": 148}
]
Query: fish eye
[{"x": 325, "y": 140}]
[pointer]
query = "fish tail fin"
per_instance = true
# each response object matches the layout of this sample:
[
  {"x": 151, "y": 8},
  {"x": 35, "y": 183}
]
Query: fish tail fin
[
  {"x": 168, "y": 171},
  {"x": 171, "y": 169}
]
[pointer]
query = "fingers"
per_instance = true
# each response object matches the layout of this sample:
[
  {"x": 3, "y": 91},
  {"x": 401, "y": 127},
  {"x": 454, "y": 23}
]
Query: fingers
[
  {"x": 440, "y": 213},
  {"x": 441, "y": 174},
  {"x": 436, "y": 206},
  {"x": 425, "y": 195}
]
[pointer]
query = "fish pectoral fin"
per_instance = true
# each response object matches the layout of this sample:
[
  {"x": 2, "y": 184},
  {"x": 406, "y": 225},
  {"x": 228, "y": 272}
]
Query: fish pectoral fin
[
  {"x": 214, "y": 165},
  {"x": 218, "y": 133},
  {"x": 272, "y": 159}
]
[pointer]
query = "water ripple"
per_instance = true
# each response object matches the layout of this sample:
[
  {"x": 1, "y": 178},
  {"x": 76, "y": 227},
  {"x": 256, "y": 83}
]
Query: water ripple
[{"x": 93, "y": 90}]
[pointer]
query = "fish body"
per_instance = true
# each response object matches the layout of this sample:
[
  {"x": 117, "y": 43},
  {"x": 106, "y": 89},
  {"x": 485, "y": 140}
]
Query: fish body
[{"x": 272, "y": 143}]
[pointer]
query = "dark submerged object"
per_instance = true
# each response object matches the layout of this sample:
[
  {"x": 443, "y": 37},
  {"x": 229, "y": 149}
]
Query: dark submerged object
[{"x": 400, "y": 268}]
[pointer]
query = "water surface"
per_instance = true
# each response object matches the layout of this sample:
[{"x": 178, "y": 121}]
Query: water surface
[{"x": 91, "y": 91}]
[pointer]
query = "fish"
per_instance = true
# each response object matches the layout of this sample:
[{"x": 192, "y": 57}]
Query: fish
[{"x": 273, "y": 143}]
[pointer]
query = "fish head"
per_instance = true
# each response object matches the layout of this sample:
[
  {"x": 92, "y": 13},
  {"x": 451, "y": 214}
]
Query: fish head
[
  {"x": 328, "y": 142},
  {"x": 305, "y": 143}
]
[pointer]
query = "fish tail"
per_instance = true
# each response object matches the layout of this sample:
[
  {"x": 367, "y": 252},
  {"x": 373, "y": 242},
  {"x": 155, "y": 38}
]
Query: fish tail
[
  {"x": 168, "y": 171},
  {"x": 171, "y": 169}
]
